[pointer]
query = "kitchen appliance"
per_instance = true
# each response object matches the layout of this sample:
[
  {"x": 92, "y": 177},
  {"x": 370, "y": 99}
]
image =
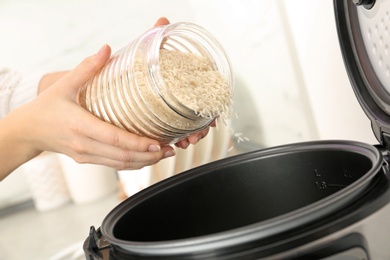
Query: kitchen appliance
[{"x": 312, "y": 200}]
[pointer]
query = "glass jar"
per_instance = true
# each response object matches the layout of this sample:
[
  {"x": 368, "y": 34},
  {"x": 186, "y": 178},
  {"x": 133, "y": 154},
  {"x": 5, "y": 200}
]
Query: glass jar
[{"x": 130, "y": 91}]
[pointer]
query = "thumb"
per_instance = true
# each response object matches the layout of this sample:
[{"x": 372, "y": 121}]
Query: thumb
[{"x": 91, "y": 65}]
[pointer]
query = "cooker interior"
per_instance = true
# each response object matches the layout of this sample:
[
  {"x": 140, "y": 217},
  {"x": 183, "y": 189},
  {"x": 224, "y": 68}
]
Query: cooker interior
[{"x": 221, "y": 198}]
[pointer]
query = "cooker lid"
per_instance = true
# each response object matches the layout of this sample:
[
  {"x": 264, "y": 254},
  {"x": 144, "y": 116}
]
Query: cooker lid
[{"x": 364, "y": 30}]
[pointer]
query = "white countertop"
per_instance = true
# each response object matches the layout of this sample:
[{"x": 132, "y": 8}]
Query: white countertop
[{"x": 29, "y": 234}]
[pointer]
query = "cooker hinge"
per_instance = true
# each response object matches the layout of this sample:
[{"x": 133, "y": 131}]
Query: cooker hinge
[
  {"x": 384, "y": 149},
  {"x": 92, "y": 247},
  {"x": 386, "y": 141}
]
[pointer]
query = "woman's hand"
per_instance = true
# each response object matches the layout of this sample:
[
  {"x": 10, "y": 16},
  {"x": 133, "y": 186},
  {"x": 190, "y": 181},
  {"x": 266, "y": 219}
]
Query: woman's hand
[
  {"x": 55, "y": 122},
  {"x": 49, "y": 79}
]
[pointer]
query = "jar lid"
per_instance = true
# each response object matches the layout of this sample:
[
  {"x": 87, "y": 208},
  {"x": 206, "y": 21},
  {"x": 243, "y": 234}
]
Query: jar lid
[{"x": 361, "y": 30}]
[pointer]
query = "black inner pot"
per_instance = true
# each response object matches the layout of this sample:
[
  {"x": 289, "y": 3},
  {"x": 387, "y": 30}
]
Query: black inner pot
[{"x": 238, "y": 192}]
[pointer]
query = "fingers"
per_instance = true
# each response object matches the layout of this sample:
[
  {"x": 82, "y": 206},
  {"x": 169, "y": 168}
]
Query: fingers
[
  {"x": 87, "y": 68},
  {"x": 104, "y": 132},
  {"x": 192, "y": 139},
  {"x": 162, "y": 21},
  {"x": 116, "y": 157},
  {"x": 103, "y": 143},
  {"x": 195, "y": 138}
]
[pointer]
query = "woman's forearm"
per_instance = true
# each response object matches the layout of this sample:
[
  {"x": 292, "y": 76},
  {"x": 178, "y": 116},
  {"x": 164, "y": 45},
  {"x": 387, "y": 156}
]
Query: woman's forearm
[{"x": 14, "y": 149}]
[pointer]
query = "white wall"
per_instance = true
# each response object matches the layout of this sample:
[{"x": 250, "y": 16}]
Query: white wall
[{"x": 255, "y": 37}]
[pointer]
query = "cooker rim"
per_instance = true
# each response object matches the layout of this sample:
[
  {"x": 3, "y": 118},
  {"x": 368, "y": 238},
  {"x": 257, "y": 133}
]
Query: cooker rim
[{"x": 256, "y": 231}]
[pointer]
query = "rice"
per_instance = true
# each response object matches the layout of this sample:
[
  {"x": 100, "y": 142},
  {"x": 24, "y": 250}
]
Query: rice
[{"x": 195, "y": 82}]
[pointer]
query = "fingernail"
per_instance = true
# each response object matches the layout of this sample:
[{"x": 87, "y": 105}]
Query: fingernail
[
  {"x": 154, "y": 148},
  {"x": 198, "y": 138},
  {"x": 169, "y": 153},
  {"x": 102, "y": 49},
  {"x": 185, "y": 144}
]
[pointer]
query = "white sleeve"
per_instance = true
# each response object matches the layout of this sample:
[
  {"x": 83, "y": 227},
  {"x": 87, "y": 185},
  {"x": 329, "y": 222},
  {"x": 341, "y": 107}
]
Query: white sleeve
[{"x": 16, "y": 89}]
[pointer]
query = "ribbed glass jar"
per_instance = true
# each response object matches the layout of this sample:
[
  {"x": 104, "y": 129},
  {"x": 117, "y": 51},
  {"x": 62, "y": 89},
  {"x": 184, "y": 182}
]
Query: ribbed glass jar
[{"x": 130, "y": 91}]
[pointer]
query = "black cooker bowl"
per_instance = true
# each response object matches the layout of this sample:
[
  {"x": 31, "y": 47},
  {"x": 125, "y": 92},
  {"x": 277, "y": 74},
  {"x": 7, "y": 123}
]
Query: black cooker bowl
[{"x": 235, "y": 203}]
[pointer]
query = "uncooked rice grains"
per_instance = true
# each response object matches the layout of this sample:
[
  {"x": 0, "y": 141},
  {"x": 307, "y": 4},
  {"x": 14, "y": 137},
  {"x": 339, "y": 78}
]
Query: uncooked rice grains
[
  {"x": 170, "y": 82},
  {"x": 195, "y": 83}
]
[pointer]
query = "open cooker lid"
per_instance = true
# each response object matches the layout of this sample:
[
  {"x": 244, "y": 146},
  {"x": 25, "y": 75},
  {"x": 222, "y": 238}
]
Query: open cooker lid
[{"x": 364, "y": 34}]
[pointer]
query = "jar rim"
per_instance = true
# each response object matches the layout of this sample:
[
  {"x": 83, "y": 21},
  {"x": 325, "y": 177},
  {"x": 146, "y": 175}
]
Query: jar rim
[{"x": 207, "y": 45}]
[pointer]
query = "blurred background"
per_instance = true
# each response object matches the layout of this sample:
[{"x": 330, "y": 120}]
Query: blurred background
[{"x": 291, "y": 86}]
